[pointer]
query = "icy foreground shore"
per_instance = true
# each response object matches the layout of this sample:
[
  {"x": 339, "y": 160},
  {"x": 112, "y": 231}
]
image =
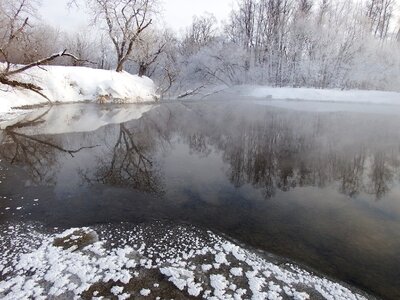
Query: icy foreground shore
[
  {"x": 153, "y": 261},
  {"x": 75, "y": 84}
]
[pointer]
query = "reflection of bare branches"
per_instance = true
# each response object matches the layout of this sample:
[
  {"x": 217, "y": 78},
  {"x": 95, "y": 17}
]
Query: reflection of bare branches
[
  {"x": 351, "y": 172},
  {"x": 35, "y": 153},
  {"x": 270, "y": 152},
  {"x": 30, "y": 123},
  {"x": 380, "y": 175},
  {"x": 129, "y": 166},
  {"x": 273, "y": 153},
  {"x": 14, "y": 136},
  {"x": 198, "y": 143},
  {"x": 37, "y": 159}
]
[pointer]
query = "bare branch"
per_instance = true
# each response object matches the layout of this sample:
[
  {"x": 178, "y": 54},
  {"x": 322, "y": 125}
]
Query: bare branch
[
  {"x": 190, "y": 92},
  {"x": 124, "y": 22},
  {"x": 43, "y": 61},
  {"x": 29, "y": 86}
]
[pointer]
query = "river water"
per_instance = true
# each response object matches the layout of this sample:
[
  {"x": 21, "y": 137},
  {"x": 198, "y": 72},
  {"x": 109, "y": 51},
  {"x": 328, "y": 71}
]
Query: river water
[{"x": 319, "y": 186}]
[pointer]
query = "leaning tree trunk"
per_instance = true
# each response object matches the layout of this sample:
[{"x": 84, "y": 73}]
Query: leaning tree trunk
[
  {"x": 120, "y": 66},
  {"x": 121, "y": 61}
]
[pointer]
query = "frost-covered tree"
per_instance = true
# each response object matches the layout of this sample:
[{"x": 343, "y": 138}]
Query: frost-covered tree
[
  {"x": 199, "y": 34},
  {"x": 148, "y": 50},
  {"x": 155, "y": 55},
  {"x": 311, "y": 42},
  {"x": 83, "y": 45},
  {"x": 380, "y": 14}
]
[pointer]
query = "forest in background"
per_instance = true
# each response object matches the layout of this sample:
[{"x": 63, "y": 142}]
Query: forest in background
[{"x": 297, "y": 43}]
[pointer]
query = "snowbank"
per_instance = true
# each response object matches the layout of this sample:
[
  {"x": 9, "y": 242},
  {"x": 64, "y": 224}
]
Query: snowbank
[
  {"x": 73, "y": 84},
  {"x": 311, "y": 94}
]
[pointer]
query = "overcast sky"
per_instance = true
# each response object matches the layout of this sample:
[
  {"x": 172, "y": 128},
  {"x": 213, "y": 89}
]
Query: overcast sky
[{"x": 177, "y": 13}]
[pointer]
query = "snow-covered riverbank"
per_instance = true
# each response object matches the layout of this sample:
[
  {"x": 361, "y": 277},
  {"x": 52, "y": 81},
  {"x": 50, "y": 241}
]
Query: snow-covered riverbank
[
  {"x": 148, "y": 261},
  {"x": 76, "y": 84},
  {"x": 304, "y": 94}
]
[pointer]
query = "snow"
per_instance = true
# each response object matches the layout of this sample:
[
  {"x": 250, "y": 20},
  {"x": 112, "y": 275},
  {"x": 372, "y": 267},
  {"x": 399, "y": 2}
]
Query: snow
[
  {"x": 220, "y": 284},
  {"x": 145, "y": 292},
  {"x": 206, "y": 268},
  {"x": 33, "y": 267},
  {"x": 312, "y": 94},
  {"x": 237, "y": 271},
  {"x": 220, "y": 258},
  {"x": 75, "y": 84}
]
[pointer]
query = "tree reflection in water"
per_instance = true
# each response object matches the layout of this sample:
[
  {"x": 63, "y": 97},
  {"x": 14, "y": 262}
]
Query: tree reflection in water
[
  {"x": 277, "y": 150},
  {"x": 272, "y": 150},
  {"x": 37, "y": 153},
  {"x": 276, "y": 158},
  {"x": 129, "y": 165},
  {"x": 381, "y": 174}
]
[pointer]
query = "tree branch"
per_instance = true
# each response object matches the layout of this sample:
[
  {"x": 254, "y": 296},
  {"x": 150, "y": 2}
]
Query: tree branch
[
  {"x": 43, "y": 61},
  {"x": 29, "y": 86}
]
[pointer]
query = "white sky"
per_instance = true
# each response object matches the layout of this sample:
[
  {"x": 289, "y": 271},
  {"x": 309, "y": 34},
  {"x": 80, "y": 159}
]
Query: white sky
[{"x": 177, "y": 14}]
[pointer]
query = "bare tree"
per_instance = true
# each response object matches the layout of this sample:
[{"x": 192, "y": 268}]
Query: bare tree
[
  {"x": 200, "y": 33},
  {"x": 380, "y": 14},
  {"x": 83, "y": 46},
  {"x": 14, "y": 17},
  {"x": 148, "y": 49},
  {"x": 14, "y": 21},
  {"x": 155, "y": 56},
  {"x": 242, "y": 27},
  {"x": 124, "y": 21}
]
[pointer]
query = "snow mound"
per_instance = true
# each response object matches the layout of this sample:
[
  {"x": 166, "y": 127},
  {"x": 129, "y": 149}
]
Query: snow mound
[
  {"x": 73, "y": 84},
  {"x": 147, "y": 260}
]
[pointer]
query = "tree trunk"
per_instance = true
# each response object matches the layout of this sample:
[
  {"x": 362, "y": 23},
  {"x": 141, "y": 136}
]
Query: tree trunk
[
  {"x": 142, "y": 70},
  {"x": 120, "y": 66}
]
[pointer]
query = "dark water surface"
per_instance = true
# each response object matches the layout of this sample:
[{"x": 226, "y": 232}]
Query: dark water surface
[{"x": 318, "y": 187}]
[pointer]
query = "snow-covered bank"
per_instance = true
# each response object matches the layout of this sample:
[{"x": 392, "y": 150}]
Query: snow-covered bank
[
  {"x": 74, "y": 84},
  {"x": 149, "y": 261},
  {"x": 311, "y": 94}
]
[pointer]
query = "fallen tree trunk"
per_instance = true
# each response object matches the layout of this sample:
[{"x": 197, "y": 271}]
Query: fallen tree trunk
[
  {"x": 43, "y": 61},
  {"x": 4, "y": 77},
  {"x": 29, "y": 86}
]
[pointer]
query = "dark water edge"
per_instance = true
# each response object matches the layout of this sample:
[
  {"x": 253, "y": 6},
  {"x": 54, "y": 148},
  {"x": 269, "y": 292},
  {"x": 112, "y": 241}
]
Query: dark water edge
[{"x": 320, "y": 188}]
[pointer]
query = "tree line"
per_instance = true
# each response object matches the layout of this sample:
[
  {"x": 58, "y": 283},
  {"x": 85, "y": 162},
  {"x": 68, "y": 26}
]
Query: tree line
[{"x": 310, "y": 43}]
